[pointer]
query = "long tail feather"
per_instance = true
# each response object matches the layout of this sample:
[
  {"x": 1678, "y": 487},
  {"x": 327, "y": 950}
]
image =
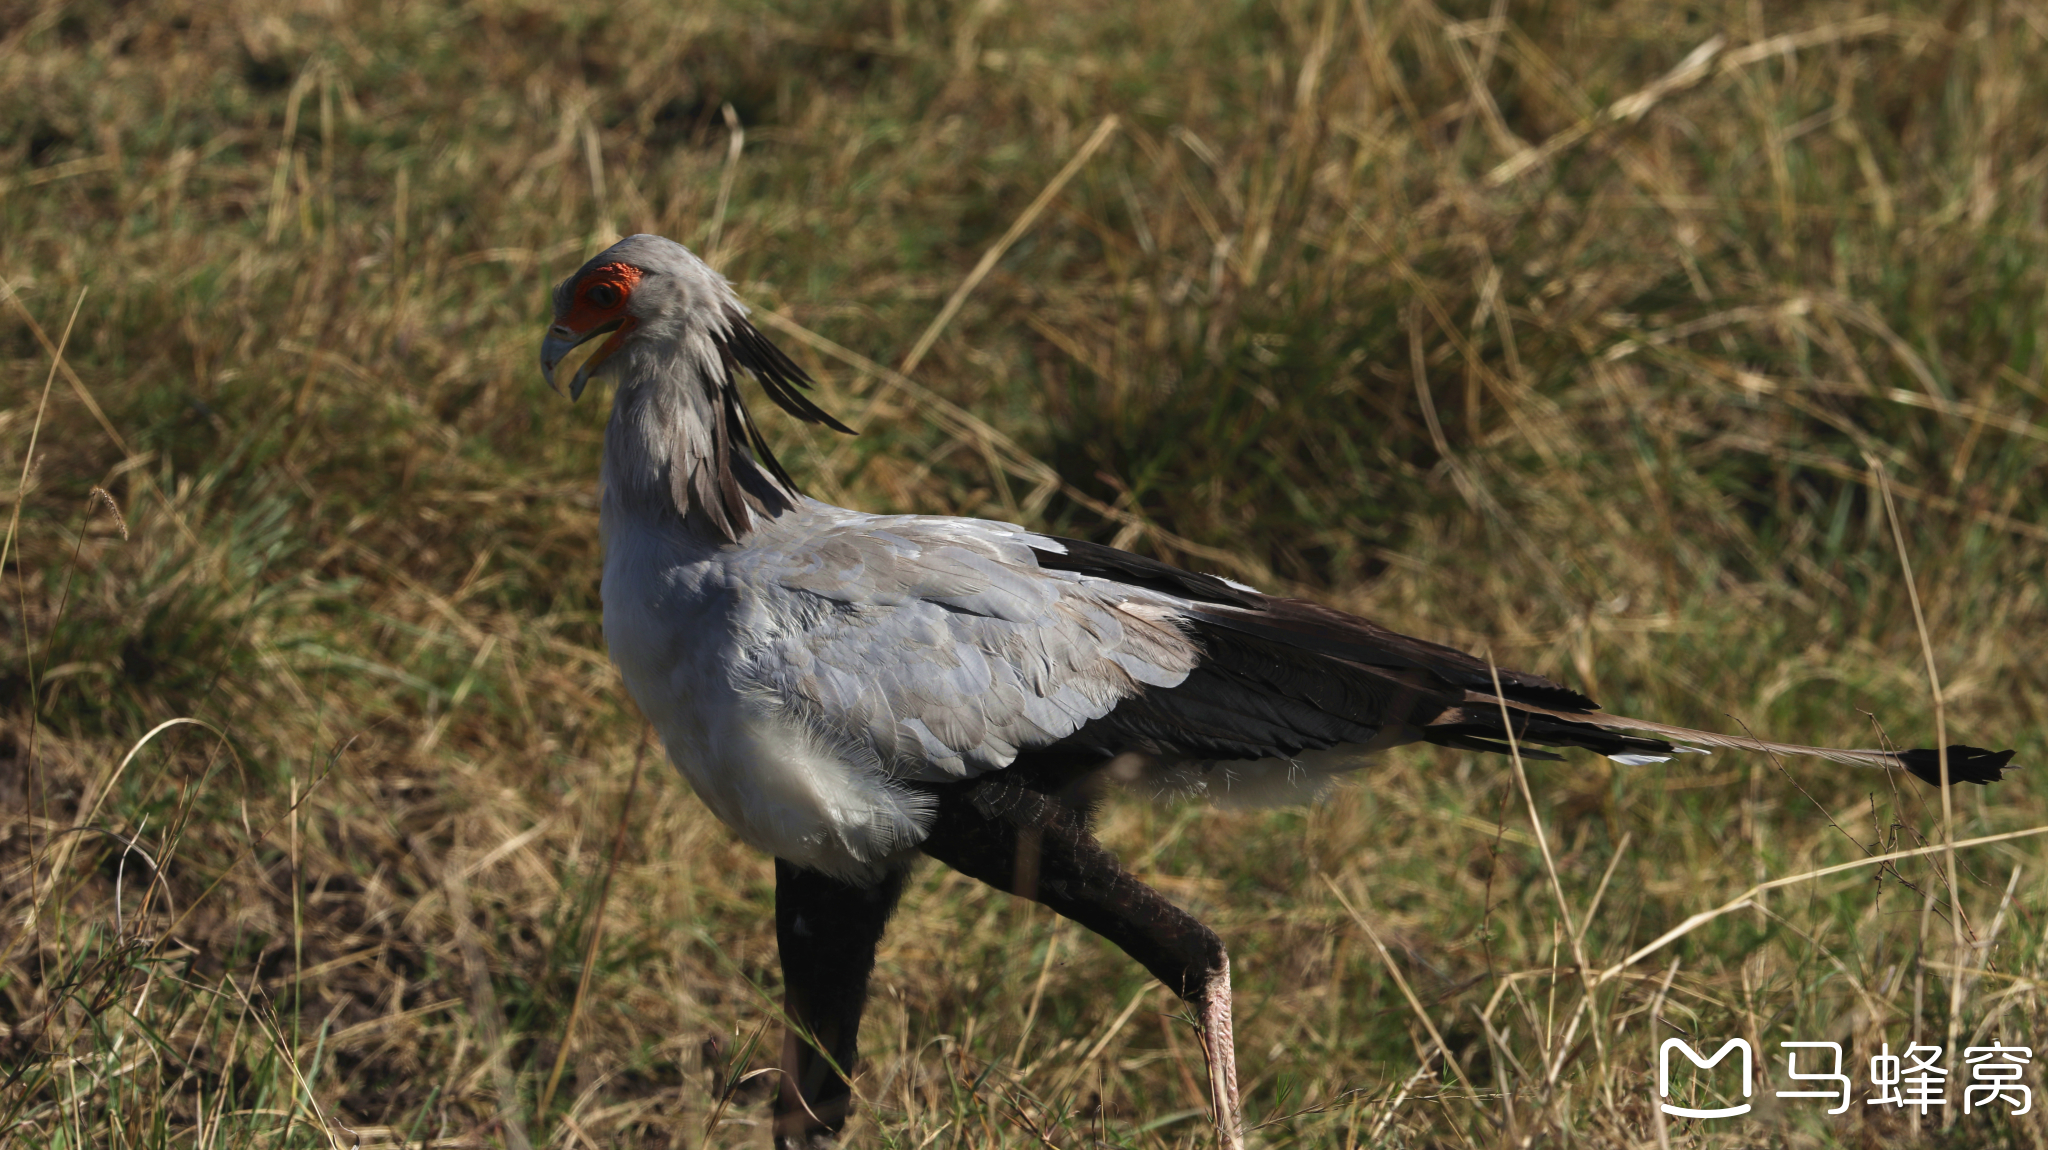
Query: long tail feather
[{"x": 1966, "y": 764}]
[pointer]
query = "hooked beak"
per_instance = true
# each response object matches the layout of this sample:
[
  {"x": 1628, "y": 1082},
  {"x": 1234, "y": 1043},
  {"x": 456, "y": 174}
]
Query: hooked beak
[{"x": 560, "y": 341}]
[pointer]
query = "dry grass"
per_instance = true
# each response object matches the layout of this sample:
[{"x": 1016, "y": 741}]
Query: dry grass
[{"x": 1521, "y": 329}]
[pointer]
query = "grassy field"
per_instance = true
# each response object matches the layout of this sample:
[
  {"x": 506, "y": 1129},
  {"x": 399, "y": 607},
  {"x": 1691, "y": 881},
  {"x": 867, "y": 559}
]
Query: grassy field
[{"x": 1578, "y": 334}]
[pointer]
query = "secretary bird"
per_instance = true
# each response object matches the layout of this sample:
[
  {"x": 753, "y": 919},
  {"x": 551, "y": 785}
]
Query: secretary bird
[{"x": 848, "y": 690}]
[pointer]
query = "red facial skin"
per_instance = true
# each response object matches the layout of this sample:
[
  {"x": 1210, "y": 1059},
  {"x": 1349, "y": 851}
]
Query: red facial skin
[{"x": 584, "y": 313}]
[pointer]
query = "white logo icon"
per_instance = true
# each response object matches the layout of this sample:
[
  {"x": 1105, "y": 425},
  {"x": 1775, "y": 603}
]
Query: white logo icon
[
  {"x": 1664, "y": 1076},
  {"x": 1915, "y": 1078}
]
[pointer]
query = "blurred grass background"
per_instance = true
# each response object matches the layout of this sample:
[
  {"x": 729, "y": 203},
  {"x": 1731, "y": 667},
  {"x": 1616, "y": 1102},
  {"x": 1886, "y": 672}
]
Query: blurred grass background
[{"x": 1575, "y": 333}]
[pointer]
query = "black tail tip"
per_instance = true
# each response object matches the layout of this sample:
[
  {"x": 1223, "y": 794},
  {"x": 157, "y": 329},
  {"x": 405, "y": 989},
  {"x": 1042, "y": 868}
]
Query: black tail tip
[{"x": 1965, "y": 764}]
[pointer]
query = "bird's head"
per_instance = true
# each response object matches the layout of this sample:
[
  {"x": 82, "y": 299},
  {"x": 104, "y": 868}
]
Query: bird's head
[{"x": 642, "y": 290}]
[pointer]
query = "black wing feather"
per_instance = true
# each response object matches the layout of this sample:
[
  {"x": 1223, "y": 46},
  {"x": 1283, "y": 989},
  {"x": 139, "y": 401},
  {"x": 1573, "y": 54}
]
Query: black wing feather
[
  {"x": 1105, "y": 562},
  {"x": 1283, "y": 676}
]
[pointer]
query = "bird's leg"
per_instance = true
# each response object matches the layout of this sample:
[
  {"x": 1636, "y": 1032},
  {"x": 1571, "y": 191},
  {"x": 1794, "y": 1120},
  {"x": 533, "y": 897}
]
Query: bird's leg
[
  {"x": 826, "y": 931},
  {"x": 1219, "y": 1051},
  {"x": 978, "y": 830}
]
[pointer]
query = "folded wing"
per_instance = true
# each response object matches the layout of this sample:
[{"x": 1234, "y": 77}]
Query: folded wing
[{"x": 944, "y": 648}]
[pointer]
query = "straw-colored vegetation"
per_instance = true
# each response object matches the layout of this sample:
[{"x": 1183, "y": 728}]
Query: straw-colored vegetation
[{"x": 1580, "y": 333}]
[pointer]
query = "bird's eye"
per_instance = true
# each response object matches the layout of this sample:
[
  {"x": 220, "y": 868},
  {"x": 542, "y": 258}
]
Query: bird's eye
[{"x": 603, "y": 295}]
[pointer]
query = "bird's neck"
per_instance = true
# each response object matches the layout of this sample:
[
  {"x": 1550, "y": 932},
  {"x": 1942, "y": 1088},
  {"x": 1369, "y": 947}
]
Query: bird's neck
[{"x": 676, "y": 450}]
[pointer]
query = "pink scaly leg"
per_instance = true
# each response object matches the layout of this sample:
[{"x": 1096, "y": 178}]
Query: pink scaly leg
[{"x": 1219, "y": 1050}]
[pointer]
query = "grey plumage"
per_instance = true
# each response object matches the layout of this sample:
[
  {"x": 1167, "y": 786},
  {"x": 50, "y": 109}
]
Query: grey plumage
[{"x": 937, "y": 646}]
